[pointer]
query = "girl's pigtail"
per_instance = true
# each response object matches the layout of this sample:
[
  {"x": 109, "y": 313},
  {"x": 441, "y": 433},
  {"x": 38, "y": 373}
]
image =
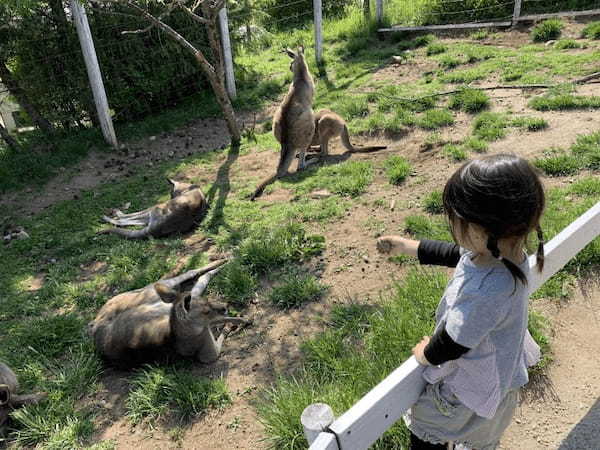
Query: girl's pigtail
[
  {"x": 492, "y": 246},
  {"x": 540, "y": 250}
]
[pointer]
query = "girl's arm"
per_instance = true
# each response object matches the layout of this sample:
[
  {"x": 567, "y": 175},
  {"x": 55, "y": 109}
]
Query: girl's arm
[
  {"x": 428, "y": 251},
  {"x": 439, "y": 349}
]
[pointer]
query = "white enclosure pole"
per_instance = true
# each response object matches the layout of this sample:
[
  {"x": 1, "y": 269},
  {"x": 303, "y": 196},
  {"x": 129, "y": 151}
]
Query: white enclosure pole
[
  {"x": 315, "y": 419},
  {"x": 226, "y": 43},
  {"x": 379, "y": 11},
  {"x": 318, "y": 13},
  {"x": 517, "y": 12},
  {"x": 93, "y": 70}
]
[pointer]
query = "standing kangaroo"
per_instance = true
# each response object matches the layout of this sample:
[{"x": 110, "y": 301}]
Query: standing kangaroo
[
  {"x": 159, "y": 319},
  {"x": 178, "y": 215},
  {"x": 9, "y": 386},
  {"x": 329, "y": 125},
  {"x": 293, "y": 122}
]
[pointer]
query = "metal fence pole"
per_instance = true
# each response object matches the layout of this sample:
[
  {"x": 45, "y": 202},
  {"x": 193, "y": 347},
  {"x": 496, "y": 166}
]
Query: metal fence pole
[
  {"x": 93, "y": 70},
  {"x": 379, "y": 11},
  {"x": 517, "y": 12},
  {"x": 318, "y": 12},
  {"x": 228, "y": 58}
]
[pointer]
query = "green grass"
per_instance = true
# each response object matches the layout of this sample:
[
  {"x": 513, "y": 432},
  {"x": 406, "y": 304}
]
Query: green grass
[
  {"x": 587, "y": 149},
  {"x": 455, "y": 152},
  {"x": 530, "y": 123},
  {"x": 433, "y": 202},
  {"x": 592, "y": 30},
  {"x": 490, "y": 126},
  {"x": 436, "y": 48},
  {"x": 397, "y": 169},
  {"x": 470, "y": 100},
  {"x": 561, "y": 102},
  {"x": 586, "y": 187},
  {"x": 567, "y": 44},
  {"x": 236, "y": 283},
  {"x": 296, "y": 290},
  {"x": 547, "y": 30},
  {"x": 423, "y": 227},
  {"x": 479, "y": 35},
  {"x": 476, "y": 144},
  {"x": 159, "y": 392},
  {"x": 558, "y": 165},
  {"x": 434, "y": 119}
]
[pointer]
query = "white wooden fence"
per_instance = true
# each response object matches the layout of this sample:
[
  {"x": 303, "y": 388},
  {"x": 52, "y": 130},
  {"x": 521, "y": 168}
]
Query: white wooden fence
[{"x": 379, "y": 409}]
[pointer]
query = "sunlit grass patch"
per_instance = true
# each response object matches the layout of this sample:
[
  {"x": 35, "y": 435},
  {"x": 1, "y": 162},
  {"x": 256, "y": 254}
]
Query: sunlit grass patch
[
  {"x": 433, "y": 119},
  {"x": 433, "y": 202},
  {"x": 551, "y": 102},
  {"x": 592, "y": 30},
  {"x": 397, "y": 169},
  {"x": 436, "y": 48},
  {"x": 558, "y": 164},
  {"x": 423, "y": 227},
  {"x": 567, "y": 44},
  {"x": 530, "y": 123},
  {"x": 490, "y": 126},
  {"x": 476, "y": 144},
  {"x": 350, "y": 178},
  {"x": 455, "y": 152}
]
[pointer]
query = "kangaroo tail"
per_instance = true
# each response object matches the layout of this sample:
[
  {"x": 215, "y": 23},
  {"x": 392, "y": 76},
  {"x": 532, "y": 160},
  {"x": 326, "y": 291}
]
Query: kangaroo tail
[
  {"x": 372, "y": 148},
  {"x": 261, "y": 187},
  {"x": 346, "y": 141},
  {"x": 285, "y": 161},
  {"x": 129, "y": 234}
]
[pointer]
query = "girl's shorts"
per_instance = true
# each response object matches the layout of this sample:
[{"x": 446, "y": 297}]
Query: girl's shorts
[{"x": 439, "y": 417}]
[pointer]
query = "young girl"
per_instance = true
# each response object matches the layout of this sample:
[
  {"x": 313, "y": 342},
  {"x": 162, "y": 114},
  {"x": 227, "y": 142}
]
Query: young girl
[{"x": 477, "y": 359}]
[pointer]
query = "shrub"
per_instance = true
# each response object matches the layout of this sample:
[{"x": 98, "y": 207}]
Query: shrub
[
  {"x": 296, "y": 290},
  {"x": 547, "y": 30},
  {"x": 592, "y": 30},
  {"x": 436, "y": 48},
  {"x": 397, "y": 169},
  {"x": 470, "y": 100},
  {"x": 433, "y": 202}
]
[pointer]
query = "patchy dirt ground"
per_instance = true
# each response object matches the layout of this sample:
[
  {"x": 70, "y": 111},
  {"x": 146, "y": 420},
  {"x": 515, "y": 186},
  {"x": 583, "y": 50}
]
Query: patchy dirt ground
[{"x": 566, "y": 417}]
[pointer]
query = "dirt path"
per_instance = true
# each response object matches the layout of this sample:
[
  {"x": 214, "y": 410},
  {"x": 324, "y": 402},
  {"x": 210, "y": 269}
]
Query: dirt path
[{"x": 568, "y": 416}]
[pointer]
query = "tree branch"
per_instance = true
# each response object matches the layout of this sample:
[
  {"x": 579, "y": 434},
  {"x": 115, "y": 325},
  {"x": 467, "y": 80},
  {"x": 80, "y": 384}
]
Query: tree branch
[{"x": 191, "y": 12}]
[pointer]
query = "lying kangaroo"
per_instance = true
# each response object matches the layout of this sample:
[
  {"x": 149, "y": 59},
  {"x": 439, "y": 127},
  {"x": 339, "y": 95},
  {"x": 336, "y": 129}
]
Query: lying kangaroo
[
  {"x": 159, "y": 319},
  {"x": 9, "y": 386},
  {"x": 186, "y": 209},
  {"x": 293, "y": 122},
  {"x": 329, "y": 125}
]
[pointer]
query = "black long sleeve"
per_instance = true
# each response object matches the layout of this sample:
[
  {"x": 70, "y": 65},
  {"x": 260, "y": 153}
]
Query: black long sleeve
[
  {"x": 438, "y": 253},
  {"x": 442, "y": 348}
]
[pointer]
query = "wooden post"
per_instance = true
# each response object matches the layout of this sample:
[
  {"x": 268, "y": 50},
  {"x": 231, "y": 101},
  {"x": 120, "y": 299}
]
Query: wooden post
[
  {"x": 93, "y": 70},
  {"x": 379, "y": 11},
  {"x": 315, "y": 419},
  {"x": 516, "y": 12},
  {"x": 318, "y": 13},
  {"x": 226, "y": 43}
]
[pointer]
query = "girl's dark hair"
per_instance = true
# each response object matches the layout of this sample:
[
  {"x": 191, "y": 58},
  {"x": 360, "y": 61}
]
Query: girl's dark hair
[{"x": 501, "y": 193}]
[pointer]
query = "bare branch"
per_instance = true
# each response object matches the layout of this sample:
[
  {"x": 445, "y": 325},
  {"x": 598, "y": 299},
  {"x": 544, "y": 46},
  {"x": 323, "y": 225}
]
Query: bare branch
[
  {"x": 191, "y": 13},
  {"x": 144, "y": 30}
]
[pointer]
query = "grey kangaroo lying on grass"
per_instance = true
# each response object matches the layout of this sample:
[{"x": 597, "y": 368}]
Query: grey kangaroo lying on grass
[
  {"x": 181, "y": 213},
  {"x": 329, "y": 125},
  {"x": 9, "y": 399},
  {"x": 293, "y": 122},
  {"x": 161, "y": 319}
]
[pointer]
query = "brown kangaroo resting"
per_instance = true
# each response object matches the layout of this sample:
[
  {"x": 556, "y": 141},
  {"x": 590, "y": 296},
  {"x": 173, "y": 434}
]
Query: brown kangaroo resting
[
  {"x": 293, "y": 122},
  {"x": 9, "y": 399},
  {"x": 161, "y": 319},
  {"x": 329, "y": 125},
  {"x": 181, "y": 213}
]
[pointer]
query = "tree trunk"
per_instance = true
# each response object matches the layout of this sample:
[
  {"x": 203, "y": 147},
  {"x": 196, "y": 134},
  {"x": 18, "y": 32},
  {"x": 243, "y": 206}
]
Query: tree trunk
[
  {"x": 10, "y": 141},
  {"x": 367, "y": 9},
  {"x": 22, "y": 99}
]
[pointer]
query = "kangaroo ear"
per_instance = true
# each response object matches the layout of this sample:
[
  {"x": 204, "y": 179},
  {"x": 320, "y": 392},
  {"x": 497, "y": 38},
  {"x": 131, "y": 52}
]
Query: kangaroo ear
[
  {"x": 4, "y": 394},
  {"x": 290, "y": 53},
  {"x": 301, "y": 49},
  {"x": 165, "y": 293}
]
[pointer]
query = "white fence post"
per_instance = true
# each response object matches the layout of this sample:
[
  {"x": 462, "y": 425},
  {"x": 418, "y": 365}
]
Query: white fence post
[
  {"x": 315, "y": 419},
  {"x": 228, "y": 59},
  {"x": 93, "y": 70},
  {"x": 318, "y": 14},
  {"x": 379, "y": 11},
  {"x": 516, "y": 12}
]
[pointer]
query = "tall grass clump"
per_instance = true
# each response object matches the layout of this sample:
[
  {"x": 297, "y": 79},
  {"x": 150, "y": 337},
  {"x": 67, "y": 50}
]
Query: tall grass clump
[
  {"x": 433, "y": 202},
  {"x": 158, "y": 392},
  {"x": 470, "y": 100},
  {"x": 397, "y": 169},
  {"x": 236, "y": 283},
  {"x": 490, "y": 126},
  {"x": 296, "y": 290},
  {"x": 558, "y": 165},
  {"x": 433, "y": 119},
  {"x": 564, "y": 101},
  {"x": 423, "y": 227},
  {"x": 587, "y": 148},
  {"x": 530, "y": 123},
  {"x": 592, "y": 30},
  {"x": 567, "y": 44},
  {"x": 547, "y": 30},
  {"x": 436, "y": 48},
  {"x": 455, "y": 152}
]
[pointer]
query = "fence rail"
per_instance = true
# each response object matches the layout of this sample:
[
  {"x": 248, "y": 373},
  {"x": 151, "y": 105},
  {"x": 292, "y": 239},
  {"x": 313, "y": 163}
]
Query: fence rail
[{"x": 373, "y": 414}]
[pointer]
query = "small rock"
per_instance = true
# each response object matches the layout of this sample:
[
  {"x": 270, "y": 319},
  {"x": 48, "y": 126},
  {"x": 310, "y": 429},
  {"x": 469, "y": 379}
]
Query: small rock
[
  {"x": 550, "y": 42},
  {"x": 321, "y": 193},
  {"x": 152, "y": 138}
]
